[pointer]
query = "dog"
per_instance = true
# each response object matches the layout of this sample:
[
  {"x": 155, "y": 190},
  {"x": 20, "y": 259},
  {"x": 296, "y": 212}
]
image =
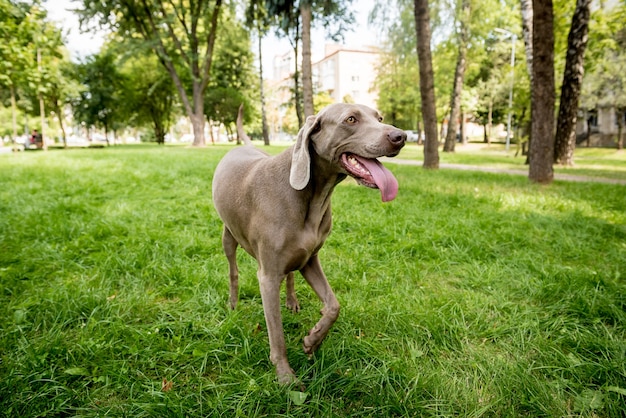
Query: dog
[{"x": 278, "y": 209}]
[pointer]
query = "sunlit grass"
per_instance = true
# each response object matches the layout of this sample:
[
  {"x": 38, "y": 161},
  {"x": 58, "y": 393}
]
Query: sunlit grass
[
  {"x": 471, "y": 294},
  {"x": 593, "y": 162}
]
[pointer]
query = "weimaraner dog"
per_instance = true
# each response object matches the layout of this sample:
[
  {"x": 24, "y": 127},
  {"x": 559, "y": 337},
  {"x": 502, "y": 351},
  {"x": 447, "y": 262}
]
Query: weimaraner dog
[{"x": 278, "y": 209}]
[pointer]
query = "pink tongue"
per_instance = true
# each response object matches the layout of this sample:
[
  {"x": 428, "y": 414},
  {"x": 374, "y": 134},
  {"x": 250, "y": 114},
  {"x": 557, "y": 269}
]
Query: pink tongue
[{"x": 383, "y": 178}]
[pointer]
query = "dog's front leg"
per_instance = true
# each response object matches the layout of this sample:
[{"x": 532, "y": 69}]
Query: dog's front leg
[
  {"x": 270, "y": 294},
  {"x": 314, "y": 275}
]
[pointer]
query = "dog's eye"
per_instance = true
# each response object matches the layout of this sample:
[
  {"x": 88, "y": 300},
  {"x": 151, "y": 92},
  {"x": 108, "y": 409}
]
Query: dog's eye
[
  {"x": 380, "y": 118},
  {"x": 351, "y": 120}
]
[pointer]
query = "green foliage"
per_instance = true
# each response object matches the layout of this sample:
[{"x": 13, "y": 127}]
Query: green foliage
[
  {"x": 334, "y": 15},
  {"x": 605, "y": 80},
  {"x": 100, "y": 103},
  {"x": 147, "y": 94},
  {"x": 472, "y": 294},
  {"x": 32, "y": 60},
  {"x": 488, "y": 62},
  {"x": 233, "y": 81},
  {"x": 398, "y": 75},
  {"x": 16, "y": 49}
]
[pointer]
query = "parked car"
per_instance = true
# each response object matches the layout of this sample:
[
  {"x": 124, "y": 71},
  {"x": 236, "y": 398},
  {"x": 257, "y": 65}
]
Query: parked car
[
  {"x": 414, "y": 136},
  {"x": 411, "y": 136}
]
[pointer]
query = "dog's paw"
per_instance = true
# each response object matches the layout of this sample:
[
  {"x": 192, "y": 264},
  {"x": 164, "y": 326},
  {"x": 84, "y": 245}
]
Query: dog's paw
[
  {"x": 288, "y": 378},
  {"x": 293, "y": 304},
  {"x": 311, "y": 344}
]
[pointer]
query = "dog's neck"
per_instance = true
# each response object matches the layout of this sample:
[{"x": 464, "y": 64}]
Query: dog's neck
[{"x": 320, "y": 188}]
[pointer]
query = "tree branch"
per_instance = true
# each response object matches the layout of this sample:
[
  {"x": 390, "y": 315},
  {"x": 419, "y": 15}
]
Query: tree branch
[{"x": 208, "y": 58}]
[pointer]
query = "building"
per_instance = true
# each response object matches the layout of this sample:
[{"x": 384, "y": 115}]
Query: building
[
  {"x": 600, "y": 127},
  {"x": 347, "y": 74}
]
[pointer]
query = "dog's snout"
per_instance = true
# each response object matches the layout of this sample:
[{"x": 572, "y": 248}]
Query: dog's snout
[{"x": 397, "y": 137}]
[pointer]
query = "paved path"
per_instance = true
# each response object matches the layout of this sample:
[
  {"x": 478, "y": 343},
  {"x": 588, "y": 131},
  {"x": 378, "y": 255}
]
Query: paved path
[{"x": 557, "y": 176}]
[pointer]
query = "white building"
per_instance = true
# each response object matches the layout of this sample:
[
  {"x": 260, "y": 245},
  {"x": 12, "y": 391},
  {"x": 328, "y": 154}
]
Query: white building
[{"x": 347, "y": 74}]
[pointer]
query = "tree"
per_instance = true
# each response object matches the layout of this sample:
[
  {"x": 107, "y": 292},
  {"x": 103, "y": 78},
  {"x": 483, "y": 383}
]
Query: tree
[
  {"x": 541, "y": 155},
  {"x": 59, "y": 90},
  {"x": 257, "y": 16},
  {"x": 605, "y": 77},
  {"x": 30, "y": 44},
  {"x": 459, "y": 75},
  {"x": 397, "y": 79},
  {"x": 606, "y": 87},
  {"x": 427, "y": 83},
  {"x": 147, "y": 94},
  {"x": 565, "y": 140},
  {"x": 307, "y": 74},
  {"x": 232, "y": 82},
  {"x": 526, "y": 7},
  {"x": 295, "y": 20},
  {"x": 182, "y": 34},
  {"x": 398, "y": 93},
  {"x": 100, "y": 104},
  {"x": 15, "y": 51}
]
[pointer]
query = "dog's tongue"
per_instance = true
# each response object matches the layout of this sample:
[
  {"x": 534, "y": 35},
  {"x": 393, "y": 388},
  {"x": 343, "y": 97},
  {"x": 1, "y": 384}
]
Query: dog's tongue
[{"x": 383, "y": 178}]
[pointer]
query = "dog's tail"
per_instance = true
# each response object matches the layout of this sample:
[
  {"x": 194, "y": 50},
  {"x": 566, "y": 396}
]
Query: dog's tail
[{"x": 240, "y": 132}]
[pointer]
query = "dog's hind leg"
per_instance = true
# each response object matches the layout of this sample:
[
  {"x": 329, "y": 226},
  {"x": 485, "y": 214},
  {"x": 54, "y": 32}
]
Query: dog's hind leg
[
  {"x": 292, "y": 301},
  {"x": 230, "y": 249}
]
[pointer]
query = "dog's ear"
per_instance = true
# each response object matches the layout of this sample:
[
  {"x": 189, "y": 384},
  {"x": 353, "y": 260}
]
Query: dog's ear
[{"x": 300, "y": 159}]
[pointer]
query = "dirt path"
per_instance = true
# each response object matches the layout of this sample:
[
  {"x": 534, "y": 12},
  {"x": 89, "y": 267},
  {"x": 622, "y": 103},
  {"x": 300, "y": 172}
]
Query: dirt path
[{"x": 557, "y": 176}]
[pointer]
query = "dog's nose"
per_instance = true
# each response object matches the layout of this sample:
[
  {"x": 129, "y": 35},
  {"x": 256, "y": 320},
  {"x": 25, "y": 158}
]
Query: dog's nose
[{"x": 397, "y": 137}]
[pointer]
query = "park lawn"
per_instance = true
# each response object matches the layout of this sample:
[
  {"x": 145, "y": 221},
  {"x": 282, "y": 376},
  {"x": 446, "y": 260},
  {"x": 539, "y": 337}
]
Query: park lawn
[
  {"x": 593, "y": 162},
  {"x": 471, "y": 294}
]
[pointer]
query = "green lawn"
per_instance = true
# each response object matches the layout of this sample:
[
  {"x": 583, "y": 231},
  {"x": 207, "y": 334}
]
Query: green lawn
[
  {"x": 593, "y": 162},
  {"x": 472, "y": 294}
]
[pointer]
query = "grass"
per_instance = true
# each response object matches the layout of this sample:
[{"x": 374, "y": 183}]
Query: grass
[
  {"x": 592, "y": 162},
  {"x": 472, "y": 294}
]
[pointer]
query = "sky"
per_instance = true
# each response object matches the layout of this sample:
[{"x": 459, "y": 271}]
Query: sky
[
  {"x": 82, "y": 45},
  {"x": 79, "y": 44}
]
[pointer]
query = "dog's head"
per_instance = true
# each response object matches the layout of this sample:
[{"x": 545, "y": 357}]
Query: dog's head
[{"x": 349, "y": 137}]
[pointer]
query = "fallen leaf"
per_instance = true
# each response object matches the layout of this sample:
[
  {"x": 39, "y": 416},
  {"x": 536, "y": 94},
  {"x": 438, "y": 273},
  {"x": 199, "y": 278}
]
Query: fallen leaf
[
  {"x": 76, "y": 371},
  {"x": 298, "y": 398},
  {"x": 166, "y": 386}
]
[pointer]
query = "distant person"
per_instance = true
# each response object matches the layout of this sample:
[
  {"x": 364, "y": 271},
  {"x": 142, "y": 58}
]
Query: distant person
[{"x": 36, "y": 139}]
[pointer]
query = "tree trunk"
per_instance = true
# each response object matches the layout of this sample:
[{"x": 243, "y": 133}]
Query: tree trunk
[
  {"x": 490, "y": 122},
  {"x": 588, "y": 131},
  {"x": 526, "y": 7},
  {"x": 620, "y": 127},
  {"x": 307, "y": 76},
  {"x": 427, "y": 83},
  {"x": 459, "y": 76},
  {"x": 44, "y": 130},
  {"x": 296, "y": 80},
  {"x": 14, "y": 117},
  {"x": 541, "y": 155},
  {"x": 455, "y": 102},
  {"x": 463, "y": 131},
  {"x": 197, "y": 124},
  {"x": 266, "y": 137},
  {"x": 59, "y": 113},
  {"x": 565, "y": 140}
]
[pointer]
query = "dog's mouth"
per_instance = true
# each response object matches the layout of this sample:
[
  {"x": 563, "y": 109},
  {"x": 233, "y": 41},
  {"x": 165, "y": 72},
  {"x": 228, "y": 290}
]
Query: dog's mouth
[{"x": 370, "y": 172}]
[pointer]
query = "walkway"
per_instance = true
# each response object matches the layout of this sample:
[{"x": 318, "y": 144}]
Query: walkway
[{"x": 557, "y": 176}]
